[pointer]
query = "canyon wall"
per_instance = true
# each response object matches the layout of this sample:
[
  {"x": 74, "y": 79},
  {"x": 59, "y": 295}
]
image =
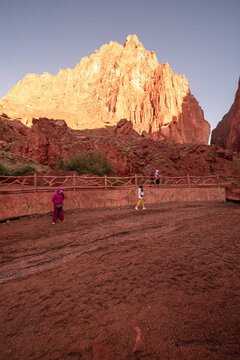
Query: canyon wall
[{"x": 227, "y": 132}]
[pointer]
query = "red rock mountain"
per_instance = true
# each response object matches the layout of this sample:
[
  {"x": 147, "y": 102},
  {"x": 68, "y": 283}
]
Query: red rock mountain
[
  {"x": 115, "y": 82},
  {"x": 227, "y": 132}
]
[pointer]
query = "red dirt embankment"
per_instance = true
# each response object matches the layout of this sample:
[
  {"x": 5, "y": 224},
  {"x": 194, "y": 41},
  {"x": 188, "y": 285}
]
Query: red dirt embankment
[{"x": 122, "y": 284}]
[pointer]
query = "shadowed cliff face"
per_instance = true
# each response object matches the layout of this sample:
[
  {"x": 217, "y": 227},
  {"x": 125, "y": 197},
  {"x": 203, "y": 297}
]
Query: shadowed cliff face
[
  {"x": 47, "y": 141},
  {"x": 115, "y": 82},
  {"x": 227, "y": 132}
]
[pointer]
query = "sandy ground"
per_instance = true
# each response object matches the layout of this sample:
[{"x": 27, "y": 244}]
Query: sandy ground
[{"x": 122, "y": 284}]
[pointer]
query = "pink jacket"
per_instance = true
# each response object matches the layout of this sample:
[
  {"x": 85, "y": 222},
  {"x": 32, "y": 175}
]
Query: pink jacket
[{"x": 57, "y": 198}]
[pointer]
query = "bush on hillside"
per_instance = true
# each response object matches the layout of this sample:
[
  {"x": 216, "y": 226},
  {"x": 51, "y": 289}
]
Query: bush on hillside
[
  {"x": 3, "y": 170},
  {"x": 91, "y": 162},
  {"x": 60, "y": 165},
  {"x": 24, "y": 170}
]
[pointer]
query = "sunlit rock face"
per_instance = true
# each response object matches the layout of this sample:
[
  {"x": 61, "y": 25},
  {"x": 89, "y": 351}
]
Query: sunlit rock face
[
  {"x": 227, "y": 132},
  {"x": 116, "y": 82}
]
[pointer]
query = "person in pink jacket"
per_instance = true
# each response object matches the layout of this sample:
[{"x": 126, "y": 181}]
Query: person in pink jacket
[{"x": 57, "y": 200}]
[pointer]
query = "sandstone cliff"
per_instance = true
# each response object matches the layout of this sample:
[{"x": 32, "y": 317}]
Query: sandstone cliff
[
  {"x": 227, "y": 132},
  {"x": 49, "y": 141},
  {"x": 115, "y": 82}
]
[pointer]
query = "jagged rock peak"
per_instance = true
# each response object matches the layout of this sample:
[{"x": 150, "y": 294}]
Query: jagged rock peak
[
  {"x": 132, "y": 41},
  {"x": 115, "y": 82}
]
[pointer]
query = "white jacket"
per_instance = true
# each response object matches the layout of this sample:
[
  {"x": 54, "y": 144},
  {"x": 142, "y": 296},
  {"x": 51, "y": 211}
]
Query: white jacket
[{"x": 140, "y": 193}]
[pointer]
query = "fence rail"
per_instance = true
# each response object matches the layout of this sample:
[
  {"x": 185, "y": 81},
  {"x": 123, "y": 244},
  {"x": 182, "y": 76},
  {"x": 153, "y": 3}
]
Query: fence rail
[{"x": 74, "y": 182}]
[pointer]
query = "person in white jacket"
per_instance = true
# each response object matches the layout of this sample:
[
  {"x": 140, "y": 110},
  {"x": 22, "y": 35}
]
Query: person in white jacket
[{"x": 140, "y": 198}]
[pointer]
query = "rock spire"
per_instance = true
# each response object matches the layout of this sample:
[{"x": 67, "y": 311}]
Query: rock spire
[{"x": 115, "y": 82}]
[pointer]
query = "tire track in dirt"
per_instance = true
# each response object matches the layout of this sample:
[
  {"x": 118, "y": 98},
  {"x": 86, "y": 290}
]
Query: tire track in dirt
[
  {"x": 45, "y": 260},
  {"x": 33, "y": 264}
]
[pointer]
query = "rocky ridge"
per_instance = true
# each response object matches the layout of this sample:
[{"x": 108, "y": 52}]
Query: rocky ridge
[
  {"x": 115, "y": 82},
  {"x": 227, "y": 132},
  {"x": 49, "y": 141}
]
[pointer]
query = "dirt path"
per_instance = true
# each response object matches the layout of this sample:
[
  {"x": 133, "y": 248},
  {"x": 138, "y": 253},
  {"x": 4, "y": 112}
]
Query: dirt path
[{"x": 120, "y": 284}]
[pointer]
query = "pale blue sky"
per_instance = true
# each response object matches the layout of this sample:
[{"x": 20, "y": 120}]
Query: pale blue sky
[{"x": 198, "y": 38}]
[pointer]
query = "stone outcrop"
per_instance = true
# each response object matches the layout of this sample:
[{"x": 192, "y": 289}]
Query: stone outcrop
[
  {"x": 49, "y": 141},
  {"x": 125, "y": 127},
  {"x": 227, "y": 132},
  {"x": 43, "y": 142},
  {"x": 11, "y": 130},
  {"x": 116, "y": 82}
]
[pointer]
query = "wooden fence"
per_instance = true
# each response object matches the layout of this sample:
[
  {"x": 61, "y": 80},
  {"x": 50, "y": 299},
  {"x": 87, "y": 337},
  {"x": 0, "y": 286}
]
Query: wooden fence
[{"x": 74, "y": 182}]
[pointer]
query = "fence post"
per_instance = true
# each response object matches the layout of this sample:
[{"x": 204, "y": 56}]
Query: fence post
[
  {"x": 35, "y": 182},
  {"x": 74, "y": 181},
  {"x": 23, "y": 181},
  {"x": 105, "y": 181},
  {"x": 136, "y": 180},
  {"x": 188, "y": 179}
]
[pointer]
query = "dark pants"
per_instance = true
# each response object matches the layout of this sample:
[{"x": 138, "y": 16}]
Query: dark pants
[{"x": 56, "y": 212}]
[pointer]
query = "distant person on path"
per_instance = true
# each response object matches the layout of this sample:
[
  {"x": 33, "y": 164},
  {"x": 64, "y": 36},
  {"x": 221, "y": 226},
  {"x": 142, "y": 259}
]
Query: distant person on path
[
  {"x": 152, "y": 177},
  {"x": 157, "y": 177},
  {"x": 140, "y": 198},
  {"x": 57, "y": 200}
]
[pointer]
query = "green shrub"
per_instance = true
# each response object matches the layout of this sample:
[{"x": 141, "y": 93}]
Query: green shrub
[
  {"x": 3, "y": 170},
  {"x": 24, "y": 170},
  {"x": 60, "y": 165},
  {"x": 93, "y": 162}
]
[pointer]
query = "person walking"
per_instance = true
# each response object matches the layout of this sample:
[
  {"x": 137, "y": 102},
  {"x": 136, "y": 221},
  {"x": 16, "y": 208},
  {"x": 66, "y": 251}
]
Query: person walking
[
  {"x": 152, "y": 178},
  {"x": 157, "y": 177},
  {"x": 140, "y": 198},
  {"x": 57, "y": 200}
]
